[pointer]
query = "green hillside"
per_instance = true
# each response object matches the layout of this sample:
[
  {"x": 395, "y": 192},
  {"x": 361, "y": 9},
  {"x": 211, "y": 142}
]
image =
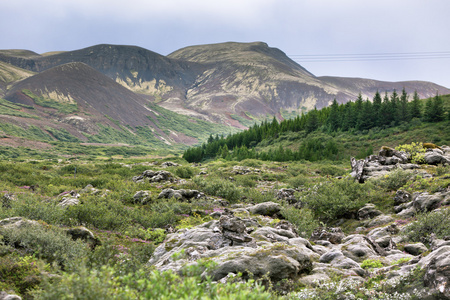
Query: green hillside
[{"x": 338, "y": 131}]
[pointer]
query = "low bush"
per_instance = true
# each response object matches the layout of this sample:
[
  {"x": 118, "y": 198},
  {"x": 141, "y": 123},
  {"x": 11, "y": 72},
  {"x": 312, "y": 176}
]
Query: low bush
[
  {"x": 19, "y": 274},
  {"x": 394, "y": 180},
  {"x": 336, "y": 198},
  {"x": 108, "y": 283},
  {"x": 49, "y": 243},
  {"x": 215, "y": 186},
  {"x": 303, "y": 219},
  {"x": 427, "y": 223}
]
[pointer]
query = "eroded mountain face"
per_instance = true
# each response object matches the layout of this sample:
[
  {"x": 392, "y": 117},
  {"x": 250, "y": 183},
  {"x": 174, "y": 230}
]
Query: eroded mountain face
[{"x": 219, "y": 82}]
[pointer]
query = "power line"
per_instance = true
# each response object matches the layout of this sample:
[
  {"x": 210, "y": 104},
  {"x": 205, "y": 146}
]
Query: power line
[{"x": 369, "y": 56}]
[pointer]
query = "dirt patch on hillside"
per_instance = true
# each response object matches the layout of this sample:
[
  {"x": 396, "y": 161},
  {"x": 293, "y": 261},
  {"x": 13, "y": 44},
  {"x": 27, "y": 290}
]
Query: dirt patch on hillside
[{"x": 13, "y": 141}]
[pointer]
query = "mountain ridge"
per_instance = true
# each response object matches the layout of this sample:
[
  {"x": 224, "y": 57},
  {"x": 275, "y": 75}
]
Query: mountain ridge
[{"x": 230, "y": 83}]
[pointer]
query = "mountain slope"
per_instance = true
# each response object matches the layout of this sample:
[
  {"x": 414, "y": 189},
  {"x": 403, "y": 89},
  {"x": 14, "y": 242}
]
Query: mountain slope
[
  {"x": 260, "y": 80},
  {"x": 10, "y": 74},
  {"x": 86, "y": 103},
  {"x": 229, "y": 83}
]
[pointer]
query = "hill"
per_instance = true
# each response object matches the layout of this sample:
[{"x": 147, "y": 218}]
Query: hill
[
  {"x": 74, "y": 102},
  {"x": 229, "y": 83}
]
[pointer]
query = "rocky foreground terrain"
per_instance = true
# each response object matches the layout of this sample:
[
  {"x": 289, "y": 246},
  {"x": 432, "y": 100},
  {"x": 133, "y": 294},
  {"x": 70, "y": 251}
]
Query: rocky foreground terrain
[{"x": 378, "y": 251}]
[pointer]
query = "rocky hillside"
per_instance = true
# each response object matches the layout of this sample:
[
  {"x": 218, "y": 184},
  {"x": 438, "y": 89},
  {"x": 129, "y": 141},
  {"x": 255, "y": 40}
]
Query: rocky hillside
[
  {"x": 83, "y": 104},
  {"x": 302, "y": 230},
  {"x": 227, "y": 83}
]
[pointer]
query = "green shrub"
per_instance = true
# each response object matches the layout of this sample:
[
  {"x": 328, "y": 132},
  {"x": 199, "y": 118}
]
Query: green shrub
[
  {"x": 254, "y": 195},
  {"x": 215, "y": 186},
  {"x": 185, "y": 172},
  {"x": 415, "y": 150},
  {"x": 427, "y": 223},
  {"x": 108, "y": 283},
  {"x": 336, "y": 198},
  {"x": 394, "y": 180},
  {"x": 18, "y": 273},
  {"x": 49, "y": 243},
  {"x": 371, "y": 264},
  {"x": 303, "y": 219},
  {"x": 297, "y": 181}
]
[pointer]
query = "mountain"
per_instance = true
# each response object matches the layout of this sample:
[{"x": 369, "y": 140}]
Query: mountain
[
  {"x": 259, "y": 80},
  {"x": 89, "y": 106},
  {"x": 229, "y": 83},
  {"x": 10, "y": 74}
]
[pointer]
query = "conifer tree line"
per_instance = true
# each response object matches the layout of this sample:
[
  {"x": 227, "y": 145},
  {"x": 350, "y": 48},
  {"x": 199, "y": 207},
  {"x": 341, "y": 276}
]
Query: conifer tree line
[{"x": 360, "y": 115}]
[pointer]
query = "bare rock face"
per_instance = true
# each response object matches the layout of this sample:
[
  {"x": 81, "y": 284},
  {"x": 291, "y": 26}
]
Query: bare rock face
[
  {"x": 437, "y": 275},
  {"x": 228, "y": 243}
]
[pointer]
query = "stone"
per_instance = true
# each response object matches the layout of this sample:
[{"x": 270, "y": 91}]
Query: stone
[
  {"x": 437, "y": 275},
  {"x": 368, "y": 211},
  {"x": 379, "y": 220},
  {"x": 142, "y": 197},
  {"x": 357, "y": 248},
  {"x": 84, "y": 234},
  {"x": 402, "y": 196},
  {"x": 169, "y": 164},
  {"x": 17, "y": 222},
  {"x": 415, "y": 249},
  {"x": 426, "y": 202},
  {"x": 5, "y": 296},
  {"x": 357, "y": 169},
  {"x": 287, "y": 195},
  {"x": 265, "y": 209},
  {"x": 69, "y": 201},
  {"x": 435, "y": 157},
  {"x": 182, "y": 194},
  {"x": 337, "y": 259},
  {"x": 277, "y": 261},
  {"x": 227, "y": 243},
  {"x": 332, "y": 234},
  {"x": 154, "y": 176}
]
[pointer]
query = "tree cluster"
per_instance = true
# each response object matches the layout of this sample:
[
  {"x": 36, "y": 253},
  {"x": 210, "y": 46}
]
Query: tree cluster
[{"x": 360, "y": 115}]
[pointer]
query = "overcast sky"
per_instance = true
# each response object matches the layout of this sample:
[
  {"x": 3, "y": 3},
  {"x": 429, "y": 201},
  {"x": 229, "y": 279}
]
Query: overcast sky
[{"x": 416, "y": 33}]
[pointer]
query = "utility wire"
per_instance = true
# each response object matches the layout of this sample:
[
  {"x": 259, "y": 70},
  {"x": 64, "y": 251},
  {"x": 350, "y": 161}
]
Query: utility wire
[{"x": 369, "y": 56}]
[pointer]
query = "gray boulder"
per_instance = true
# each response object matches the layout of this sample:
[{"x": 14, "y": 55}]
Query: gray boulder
[
  {"x": 169, "y": 164},
  {"x": 228, "y": 244},
  {"x": 437, "y": 276},
  {"x": 368, "y": 211},
  {"x": 5, "y": 296},
  {"x": 401, "y": 197},
  {"x": 435, "y": 157},
  {"x": 415, "y": 249},
  {"x": 182, "y": 194},
  {"x": 154, "y": 176},
  {"x": 278, "y": 261},
  {"x": 333, "y": 235},
  {"x": 142, "y": 197},
  {"x": 265, "y": 209},
  {"x": 426, "y": 202},
  {"x": 17, "y": 222},
  {"x": 84, "y": 234}
]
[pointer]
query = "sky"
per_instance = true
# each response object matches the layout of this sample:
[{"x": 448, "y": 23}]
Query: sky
[{"x": 391, "y": 40}]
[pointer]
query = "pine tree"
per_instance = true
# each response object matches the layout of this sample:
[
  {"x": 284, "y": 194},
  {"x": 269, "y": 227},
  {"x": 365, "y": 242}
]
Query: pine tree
[
  {"x": 415, "y": 107},
  {"x": 333, "y": 117},
  {"x": 402, "y": 109},
  {"x": 377, "y": 109},
  {"x": 312, "y": 122}
]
